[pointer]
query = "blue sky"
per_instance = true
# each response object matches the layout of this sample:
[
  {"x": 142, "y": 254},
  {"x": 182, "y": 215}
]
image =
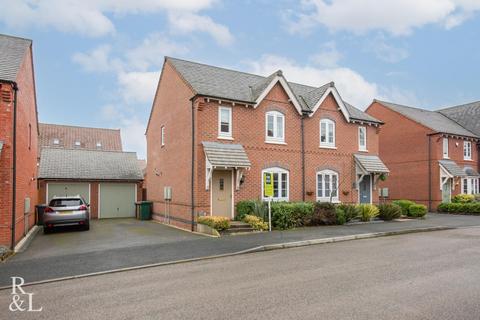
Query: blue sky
[{"x": 97, "y": 62}]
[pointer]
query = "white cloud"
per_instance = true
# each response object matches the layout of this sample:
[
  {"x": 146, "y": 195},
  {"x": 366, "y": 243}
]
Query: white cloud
[
  {"x": 398, "y": 17},
  {"x": 385, "y": 51},
  {"x": 189, "y": 22},
  {"x": 92, "y": 17},
  {"x": 328, "y": 56},
  {"x": 138, "y": 87},
  {"x": 97, "y": 60}
]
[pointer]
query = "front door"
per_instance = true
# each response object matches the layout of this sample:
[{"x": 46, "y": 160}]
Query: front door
[
  {"x": 366, "y": 190},
  {"x": 447, "y": 192},
  {"x": 222, "y": 193}
]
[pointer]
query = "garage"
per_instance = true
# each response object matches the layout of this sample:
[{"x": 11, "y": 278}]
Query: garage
[
  {"x": 68, "y": 189},
  {"x": 117, "y": 200}
]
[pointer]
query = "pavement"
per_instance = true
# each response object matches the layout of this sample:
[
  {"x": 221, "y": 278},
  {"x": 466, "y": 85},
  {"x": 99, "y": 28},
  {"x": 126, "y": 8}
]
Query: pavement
[
  {"x": 164, "y": 244},
  {"x": 434, "y": 275}
]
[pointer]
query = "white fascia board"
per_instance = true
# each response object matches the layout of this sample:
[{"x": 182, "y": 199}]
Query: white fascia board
[
  {"x": 287, "y": 89},
  {"x": 337, "y": 98}
]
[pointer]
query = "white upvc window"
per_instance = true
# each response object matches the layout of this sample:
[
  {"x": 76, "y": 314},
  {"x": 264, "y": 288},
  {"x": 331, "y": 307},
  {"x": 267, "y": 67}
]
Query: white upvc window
[
  {"x": 445, "y": 148},
  {"x": 327, "y": 186},
  {"x": 275, "y": 127},
  {"x": 56, "y": 141},
  {"x": 99, "y": 145},
  {"x": 467, "y": 150},
  {"x": 224, "y": 122},
  {"x": 77, "y": 144},
  {"x": 362, "y": 138},
  {"x": 327, "y": 133},
  {"x": 162, "y": 136},
  {"x": 470, "y": 185},
  {"x": 280, "y": 183}
]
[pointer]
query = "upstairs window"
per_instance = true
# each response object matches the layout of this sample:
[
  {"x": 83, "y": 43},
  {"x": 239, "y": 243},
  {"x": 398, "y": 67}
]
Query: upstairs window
[
  {"x": 362, "y": 138},
  {"x": 56, "y": 141},
  {"x": 275, "y": 127},
  {"x": 445, "y": 148},
  {"x": 225, "y": 122},
  {"x": 327, "y": 186},
  {"x": 162, "y": 137},
  {"x": 467, "y": 150},
  {"x": 99, "y": 145},
  {"x": 327, "y": 133}
]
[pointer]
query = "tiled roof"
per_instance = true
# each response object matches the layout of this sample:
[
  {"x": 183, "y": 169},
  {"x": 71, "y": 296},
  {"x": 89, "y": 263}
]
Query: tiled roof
[
  {"x": 88, "y": 165},
  {"x": 246, "y": 87},
  {"x": 109, "y": 139},
  {"x": 12, "y": 52},
  {"x": 371, "y": 164},
  {"x": 226, "y": 155},
  {"x": 452, "y": 168},
  {"x": 430, "y": 119},
  {"x": 466, "y": 115},
  {"x": 471, "y": 172}
]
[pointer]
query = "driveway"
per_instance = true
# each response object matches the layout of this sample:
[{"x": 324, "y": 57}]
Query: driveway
[{"x": 106, "y": 234}]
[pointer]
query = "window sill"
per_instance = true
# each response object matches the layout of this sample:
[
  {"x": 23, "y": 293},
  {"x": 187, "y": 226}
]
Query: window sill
[
  {"x": 327, "y": 200},
  {"x": 362, "y": 150},
  {"x": 276, "y": 199},
  {"x": 447, "y": 158},
  {"x": 467, "y": 159},
  {"x": 328, "y": 147},
  {"x": 225, "y": 138},
  {"x": 276, "y": 142}
]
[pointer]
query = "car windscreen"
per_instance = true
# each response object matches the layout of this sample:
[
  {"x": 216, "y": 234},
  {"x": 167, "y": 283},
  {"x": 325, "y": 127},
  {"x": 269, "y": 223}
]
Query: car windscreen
[{"x": 74, "y": 202}]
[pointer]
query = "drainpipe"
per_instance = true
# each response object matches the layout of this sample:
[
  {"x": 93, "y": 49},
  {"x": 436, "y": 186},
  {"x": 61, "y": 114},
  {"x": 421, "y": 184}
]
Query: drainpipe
[
  {"x": 302, "y": 129},
  {"x": 429, "y": 173},
  {"x": 193, "y": 164},
  {"x": 14, "y": 167}
]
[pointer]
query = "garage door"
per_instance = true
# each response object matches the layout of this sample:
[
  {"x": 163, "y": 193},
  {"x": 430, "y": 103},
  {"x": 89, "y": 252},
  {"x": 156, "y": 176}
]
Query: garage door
[
  {"x": 68, "y": 189},
  {"x": 117, "y": 200}
]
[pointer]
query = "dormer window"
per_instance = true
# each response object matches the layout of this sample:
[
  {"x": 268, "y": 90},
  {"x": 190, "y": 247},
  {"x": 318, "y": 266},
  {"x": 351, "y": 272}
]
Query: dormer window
[
  {"x": 56, "y": 141},
  {"x": 77, "y": 144}
]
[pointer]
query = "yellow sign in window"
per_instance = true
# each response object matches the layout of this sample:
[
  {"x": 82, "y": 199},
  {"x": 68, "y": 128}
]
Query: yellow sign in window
[{"x": 268, "y": 184}]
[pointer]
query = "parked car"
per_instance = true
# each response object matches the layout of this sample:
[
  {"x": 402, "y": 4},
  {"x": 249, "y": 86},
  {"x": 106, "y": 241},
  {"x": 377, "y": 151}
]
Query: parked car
[{"x": 66, "y": 211}]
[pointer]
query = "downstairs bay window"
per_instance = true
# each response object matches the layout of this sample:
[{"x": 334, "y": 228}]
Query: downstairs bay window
[{"x": 470, "y": 185}]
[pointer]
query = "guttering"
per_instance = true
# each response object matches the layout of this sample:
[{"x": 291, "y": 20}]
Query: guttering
[
  {"x": 193, "y": 165},
  {"x": 14, "y": 166}
]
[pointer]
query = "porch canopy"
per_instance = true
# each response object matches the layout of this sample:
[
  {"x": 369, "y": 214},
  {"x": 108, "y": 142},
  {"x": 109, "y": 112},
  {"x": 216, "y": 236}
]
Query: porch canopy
[
  {"x": 369, "y": 164},
  {"x": 225, "y": 156},
  {"x": 449, "y": 169}
]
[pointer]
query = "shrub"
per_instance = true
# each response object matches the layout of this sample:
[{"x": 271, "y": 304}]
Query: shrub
[
  {"x": 255, "y": 222},
  {"x": 340, "y": 216},
  {"x": 260, "y": 209},
  {"x": 477, "y": 197},
  {"x": 460, "y": 208},
  {"x": 404, "y": 204},
  {"x": 463, "y": 198},
  {"x": 417, "y": 210},
  {"x": 287, "y": 215},
  {"x": 323, "y": 213},
  {"x": 215, "y": 222},
  {"x": 367, "y": 212},
  {"x": 350, "y": 210},
  {"x": 243, "y": 208},
  {"x": 389, "y": 212}
]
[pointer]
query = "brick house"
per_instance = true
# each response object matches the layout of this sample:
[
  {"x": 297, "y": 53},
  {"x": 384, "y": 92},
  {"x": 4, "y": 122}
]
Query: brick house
[
  {"x": 18, "y": 140},
  {"x": 89, "y": 162},
  {"x": 213, "y": 132},
  {"x": 431, "y": 156}
]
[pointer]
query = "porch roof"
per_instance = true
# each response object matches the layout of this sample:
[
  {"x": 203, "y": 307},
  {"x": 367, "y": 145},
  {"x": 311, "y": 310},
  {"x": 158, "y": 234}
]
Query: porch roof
[
  {"x": 371, "y": 164},
  {"x": 471, "y": 172},
  {"x": 226, "y": 155},
  {"x": 452, "y": 168}
]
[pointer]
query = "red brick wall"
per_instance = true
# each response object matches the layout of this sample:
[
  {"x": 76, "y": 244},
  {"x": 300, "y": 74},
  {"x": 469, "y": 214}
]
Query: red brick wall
[
  {"x": 170, "y": 165},
  {"x": 404, "y": 149},
  {"x": 27, "y": 146}
]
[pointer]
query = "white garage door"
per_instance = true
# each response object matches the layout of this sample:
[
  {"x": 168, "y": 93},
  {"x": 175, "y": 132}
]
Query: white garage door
[
  {"x": 68, "y": 189},
  {"x": 117, "y": 200}
]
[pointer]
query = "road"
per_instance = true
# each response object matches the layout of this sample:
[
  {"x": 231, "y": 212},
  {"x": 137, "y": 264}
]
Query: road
[{"x": 433, "y": 275}]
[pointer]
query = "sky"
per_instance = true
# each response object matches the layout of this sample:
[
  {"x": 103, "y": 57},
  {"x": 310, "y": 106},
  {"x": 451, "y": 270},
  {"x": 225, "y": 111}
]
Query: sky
[{"x": 97, "y": 62}]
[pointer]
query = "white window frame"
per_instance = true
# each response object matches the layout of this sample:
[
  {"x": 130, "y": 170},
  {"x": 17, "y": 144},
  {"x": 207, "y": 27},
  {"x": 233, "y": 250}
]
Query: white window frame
[
  {"x": 275, "y": 138},
  {"x": 471, "y": 186},
  {"x": 99, "y": 145},
  {"x": 78, "y": 143},
  {"x": 56, "y": 141},
  {"x": 162, "y": 136},
  {"x": 225, "y": 135},
  {"x": 323, "y": 197},
  {"x": 445, "y": 148},
  {"x": 279, "y": 171},
  {"x": 364, "y": 146},
  {"x": 327, "y": 143},
  {"x": 467, "y": 150}
]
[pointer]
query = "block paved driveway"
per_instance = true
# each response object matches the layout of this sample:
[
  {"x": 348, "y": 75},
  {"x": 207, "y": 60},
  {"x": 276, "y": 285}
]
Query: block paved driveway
[{"x": 114, "y": 244}]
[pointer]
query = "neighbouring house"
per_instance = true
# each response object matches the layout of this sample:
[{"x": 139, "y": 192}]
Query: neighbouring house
[
  {"x": 18, "y": 140},
  {"x": 431, "y": 156},
  {"x": 89, "y": 162},
  {"x": 213, "y": 132}
]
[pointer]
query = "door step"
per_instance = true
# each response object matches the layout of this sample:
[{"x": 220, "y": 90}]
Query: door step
[{"x": 237, "y": 227}]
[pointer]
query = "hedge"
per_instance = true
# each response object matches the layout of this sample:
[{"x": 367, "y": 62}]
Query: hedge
[
  {"x": 324, "y": 213},
  {"x": 463, "y": 198},
  {"x": 287, "y": 215},
  {"x": 460, "y": 208},
  {"x": 417, "y": 211},
  {"x": 404, "y": 204},
  {"x": 215, "y": 222},
  {"x": 389, "y": 211},
  {"x": 244, "y": 208}
]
